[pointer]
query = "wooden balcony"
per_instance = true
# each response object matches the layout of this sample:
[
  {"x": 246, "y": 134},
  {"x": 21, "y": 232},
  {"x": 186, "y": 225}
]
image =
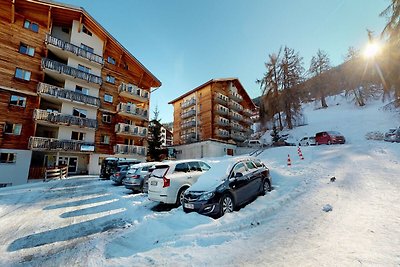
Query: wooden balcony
[
  {"x": 63, "y": 45},
  {"x": 187, "y": 125},
  {"x": 247, "y": 121},
  {"x": 132, "y": 130},
  {"x": 237, "y": 127},
  {"x": 188, "y": 103},
  {"x": 188, "y": 114},
  {"x": 43, "y": 143},
  {"x": 238, "y": 136},
  {"x": 189, "y": 138},
  {"x": 221, "y": 121},
  {"x": 235, "y": 116},
  {"x": 247, "y": 112},
  {"x": 70, "y": 71},
  {"x": 64, "y": 94},
  {"x": 63, "y": 119},
  {"x": 133, "y": 111},
  {"x": 133, "y": 92},
  {"x": 130, "y": 150}
]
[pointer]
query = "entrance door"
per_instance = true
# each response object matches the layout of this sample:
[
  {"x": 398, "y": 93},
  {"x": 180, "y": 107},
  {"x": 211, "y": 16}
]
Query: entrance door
[
  {"x": 229, "y": 152},
  {"x": 72, "y": 163}
]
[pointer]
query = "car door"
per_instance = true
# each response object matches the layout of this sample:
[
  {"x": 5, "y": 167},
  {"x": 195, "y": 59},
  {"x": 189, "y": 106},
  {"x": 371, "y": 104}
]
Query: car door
[
  {"x": 239, "y": 184},
  {"x": 254, "y": 177}
]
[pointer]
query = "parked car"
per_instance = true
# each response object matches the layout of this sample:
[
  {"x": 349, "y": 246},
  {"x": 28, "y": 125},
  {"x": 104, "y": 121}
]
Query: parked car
[
  {"x": 134, "y": 179},
  {"x": 253, "y": 144},
  {"x": 307, "y": 141},
  {"x": 393, "y": 135},
  {"x": 120, "y": 174},
  {"x": 109, "y": 165},
  {"x": 228, "y": 185},
  {"x": 169, "y": 180},
  {"x": 329, "y": 137}
]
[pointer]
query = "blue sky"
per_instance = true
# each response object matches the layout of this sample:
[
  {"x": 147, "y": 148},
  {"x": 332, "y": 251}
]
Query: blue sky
[{"x": 185, "y": 43}]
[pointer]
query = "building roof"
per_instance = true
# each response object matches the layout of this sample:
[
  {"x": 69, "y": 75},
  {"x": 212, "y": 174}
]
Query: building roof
[
  {"x": 51, "y": 3},
  {"x": 237, "y": 83}
]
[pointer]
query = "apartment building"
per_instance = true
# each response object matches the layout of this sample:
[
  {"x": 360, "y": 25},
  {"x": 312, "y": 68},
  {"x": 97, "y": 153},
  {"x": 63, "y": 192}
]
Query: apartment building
[
  {"x": 212, "y": 119},
  {"x": 71, "y": 94}
]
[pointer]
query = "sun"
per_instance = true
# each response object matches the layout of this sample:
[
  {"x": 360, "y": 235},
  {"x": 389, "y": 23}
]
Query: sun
[{"x": 372, "y": 50}]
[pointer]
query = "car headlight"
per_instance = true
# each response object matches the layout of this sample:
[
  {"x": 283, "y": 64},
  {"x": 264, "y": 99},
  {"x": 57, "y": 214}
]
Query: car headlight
[{"x": 206, "y": 196}]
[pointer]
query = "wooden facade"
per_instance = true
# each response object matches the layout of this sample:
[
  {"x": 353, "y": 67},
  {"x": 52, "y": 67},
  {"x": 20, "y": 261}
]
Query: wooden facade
[
  {"x": 29, "y": 24},
  {"x": 197, "y": 116}
]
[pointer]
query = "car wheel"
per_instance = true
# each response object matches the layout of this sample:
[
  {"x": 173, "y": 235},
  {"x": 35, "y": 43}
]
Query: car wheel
[
  {"x": 266, "y": 187},
  {"x": 329, "y": 143},
  {"x": 227, "y": 204},
  {"x": 299, "y": 144},
  {"x": 307, "y": 144},
  {"x": 180, "y": 196}
]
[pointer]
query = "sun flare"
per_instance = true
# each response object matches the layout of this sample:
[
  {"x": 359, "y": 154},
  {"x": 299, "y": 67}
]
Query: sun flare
[{"x": 371, "y": 50}]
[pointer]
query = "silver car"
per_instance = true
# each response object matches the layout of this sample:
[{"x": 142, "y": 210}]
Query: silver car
[
  {"x": 134, "y": 179},
  {"x": 307, "y": 141}
]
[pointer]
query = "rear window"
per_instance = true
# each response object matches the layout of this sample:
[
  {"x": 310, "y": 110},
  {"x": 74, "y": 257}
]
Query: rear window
[
  {"x": 145, "y": 169},
  {"x": 121, "y": 168},
  {"x": 204, "y": 167},
  {"x": 160, "y": 171},
  {"x": 258, "y": 163},
  {"x": 250, "y": 165},
  {"x": 132, "y": 170}
]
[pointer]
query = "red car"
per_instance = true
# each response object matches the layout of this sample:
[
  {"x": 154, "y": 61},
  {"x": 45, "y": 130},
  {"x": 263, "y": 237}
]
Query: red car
[{"x": 329, "y": 137}]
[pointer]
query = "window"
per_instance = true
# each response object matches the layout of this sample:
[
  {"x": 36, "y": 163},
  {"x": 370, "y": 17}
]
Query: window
[
  {"x": 250, "y": 165},
  {"x": 22, "y": 74},
  {"x": 82, "y": 90},
  {"x": 87, "y": 48},
  {"x": 239, "y": 168},
  {"x": 204, "y": 166},
  {"x": 110, "y": 79},
  {"x": 111, "y": 60},
  {"x": 108, "y": 98},
  {"x": 194, "y": 166},
  {"x": 77, "y": 136},
  {"x": 8, "y": 157},
  {"x": 27, "y": 50},
  {"x": 106, "y": 118},
  {"x": 31, "y": 26},
  {"x": 105, "y": 139},
  {"x": 129, "y": 142},
  {"x": 82, "y": 113},
  {"x": 11, "y": 128},
  {"x": 85, "y": 30},
  {"x": 16, "y": 100},
  {"x": 83, "y": 68},
  {"x": 181, "y": 167}
]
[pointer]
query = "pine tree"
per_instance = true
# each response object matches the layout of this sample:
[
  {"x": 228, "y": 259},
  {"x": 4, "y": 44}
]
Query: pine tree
[
  {"x": 319, "y": 65},
  {"x": 275, "y": 135},
  {"x": 154, "y": 140}
]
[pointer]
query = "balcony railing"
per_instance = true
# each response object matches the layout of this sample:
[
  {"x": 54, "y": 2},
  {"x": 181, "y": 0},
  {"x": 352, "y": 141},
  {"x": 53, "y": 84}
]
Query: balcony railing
[
  {"x": 221, "y": 110},
  {"x": 236, "y": 116},
  {"x": 221, "y": 99},
  {"x": 63, "y": 119},
  {"x": 188, "y": 103},
  {"x": 222, "y": 133},
  {"x": 221, "y": 121},
  {"x": 73, "y": 49},
  {"x": 238, "y": 136},
  {"x": 188, "y": 114},
  {"x": 65, "y": 69},
  {"x": 235, "y": 96},
  {"x": 134, "y": 92},
  {"x": 235, "y": 105},
  {"x": 189, "y": 124},
  {"x": 130, "y": 149},
  {"x": 133, "y": 110},
  {"x": 190, "y": 137},
  {"x": 43, "y": 143},
  {"x": 248, "y": 121},
  {"x": 237, "y": 127},
  {"x": 247, "y": 112},
  {"x": 62, "y": 93},
  {"x": 123, "y": 128}
]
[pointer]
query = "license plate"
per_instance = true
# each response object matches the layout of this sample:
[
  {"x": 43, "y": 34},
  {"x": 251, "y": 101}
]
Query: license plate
[
  {"x": 153, "y": 183},
  {"x": 188, "y": 205}
]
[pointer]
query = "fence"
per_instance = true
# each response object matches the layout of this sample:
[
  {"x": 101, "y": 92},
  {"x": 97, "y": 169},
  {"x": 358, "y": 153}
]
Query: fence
[{"x": 57, "y": 172}]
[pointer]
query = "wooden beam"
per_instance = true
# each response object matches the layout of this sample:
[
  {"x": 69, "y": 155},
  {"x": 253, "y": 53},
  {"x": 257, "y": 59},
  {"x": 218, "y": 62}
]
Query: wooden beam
[
  {"x": 13, "y": 11},
  {"x": 104, "y": 46},
  {"x": 49, "y": 20},
  {"x": 120, "y": 59},
  {"x": 141, "y": 78},
  {"x": 80, "y": 23}
]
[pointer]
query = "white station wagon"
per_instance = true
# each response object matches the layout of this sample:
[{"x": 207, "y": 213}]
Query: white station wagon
[{"x": 169, "y": 180}]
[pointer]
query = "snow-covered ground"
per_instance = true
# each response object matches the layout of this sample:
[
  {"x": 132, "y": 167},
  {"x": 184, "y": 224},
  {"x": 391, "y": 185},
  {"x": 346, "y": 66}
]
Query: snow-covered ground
[{"x": 89, "y": 222}]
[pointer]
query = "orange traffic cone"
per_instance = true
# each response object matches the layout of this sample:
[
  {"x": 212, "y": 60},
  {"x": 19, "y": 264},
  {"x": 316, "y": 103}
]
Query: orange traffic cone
[
  {"x": 289, "y": 163},
  {"x": 300, "y": 154}
]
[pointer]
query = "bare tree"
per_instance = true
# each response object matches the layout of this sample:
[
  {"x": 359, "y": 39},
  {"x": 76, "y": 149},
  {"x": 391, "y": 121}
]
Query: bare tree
[{"x": 320, "y": 63}]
